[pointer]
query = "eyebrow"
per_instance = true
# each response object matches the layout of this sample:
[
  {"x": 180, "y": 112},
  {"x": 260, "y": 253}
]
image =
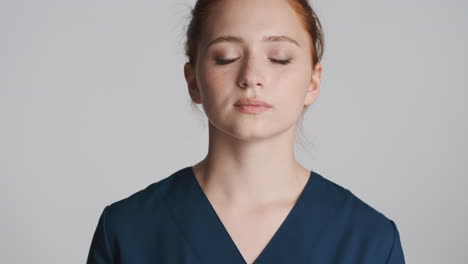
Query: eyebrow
[{"x": 229, "y": 38}]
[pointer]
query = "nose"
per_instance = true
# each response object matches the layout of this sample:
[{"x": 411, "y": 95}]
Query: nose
[{"x": 250, "y": 74}]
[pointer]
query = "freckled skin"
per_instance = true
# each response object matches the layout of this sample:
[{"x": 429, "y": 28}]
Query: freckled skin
[
  {"x": 250, "y": 175},
  {"x": 287, "y": 87}
]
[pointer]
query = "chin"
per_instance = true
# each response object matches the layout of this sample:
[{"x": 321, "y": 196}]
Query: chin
[{"x": 243, "y": 131}]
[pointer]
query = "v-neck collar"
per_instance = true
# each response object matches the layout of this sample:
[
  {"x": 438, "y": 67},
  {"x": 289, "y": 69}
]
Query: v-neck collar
[{"x": 205, "y": 233}]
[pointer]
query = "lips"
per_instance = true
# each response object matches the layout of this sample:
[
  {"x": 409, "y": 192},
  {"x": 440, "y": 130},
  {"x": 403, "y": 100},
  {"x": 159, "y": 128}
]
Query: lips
[{"x": 251, "y": 102}]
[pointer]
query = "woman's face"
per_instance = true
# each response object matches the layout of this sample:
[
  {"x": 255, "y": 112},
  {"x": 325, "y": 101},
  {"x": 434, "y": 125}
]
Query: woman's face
[{"x": 252, "y": 62}]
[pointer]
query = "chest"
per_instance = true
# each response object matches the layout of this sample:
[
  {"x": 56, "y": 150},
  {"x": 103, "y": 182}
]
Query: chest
[
  {"x": 186, "y": 229},
  {"x": 252, "y": 230}
]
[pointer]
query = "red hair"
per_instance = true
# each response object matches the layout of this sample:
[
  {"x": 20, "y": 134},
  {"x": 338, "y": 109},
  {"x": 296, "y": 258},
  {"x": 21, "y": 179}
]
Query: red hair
[{"x": 303, "y": 9}]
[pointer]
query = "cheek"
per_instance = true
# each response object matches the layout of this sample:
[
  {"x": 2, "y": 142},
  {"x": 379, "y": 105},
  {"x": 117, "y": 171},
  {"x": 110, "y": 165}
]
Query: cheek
[
  {"x": 215, "y": 89},
  {"x": 211, "y": 83},
  {"x": 291, "y": 88},
  {"x": 290, "y": 92}
]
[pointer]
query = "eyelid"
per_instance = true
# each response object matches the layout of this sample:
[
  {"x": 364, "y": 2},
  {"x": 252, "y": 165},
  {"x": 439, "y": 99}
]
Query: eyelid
[
  {"x": 227, "y": 61},
  {"x": 284, "y": 62}
]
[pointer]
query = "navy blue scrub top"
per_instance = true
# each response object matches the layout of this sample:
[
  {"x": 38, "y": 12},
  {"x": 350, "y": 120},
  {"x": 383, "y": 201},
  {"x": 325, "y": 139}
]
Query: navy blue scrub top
[{"x": 172, "y": 221}]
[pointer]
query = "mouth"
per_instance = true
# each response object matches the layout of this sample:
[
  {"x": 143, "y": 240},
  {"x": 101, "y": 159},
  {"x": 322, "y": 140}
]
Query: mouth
[
  {"x": 252, "y": 103},
  {"x": 251, "y": 106}
]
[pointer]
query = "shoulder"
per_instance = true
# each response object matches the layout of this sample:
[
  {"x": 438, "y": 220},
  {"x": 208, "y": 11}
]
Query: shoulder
[
  {"x": 357, "y": 219},
  {"x": 352, "y": 205},
  {"x": 142, "y": 204},
  {"x": 127, "y": 222}
]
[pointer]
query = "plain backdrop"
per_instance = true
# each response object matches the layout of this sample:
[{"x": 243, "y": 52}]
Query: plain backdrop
[{"x": 94, "y": 107}]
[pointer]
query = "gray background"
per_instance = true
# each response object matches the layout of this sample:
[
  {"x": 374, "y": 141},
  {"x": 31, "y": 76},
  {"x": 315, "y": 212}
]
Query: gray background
[{"x": 94, "y": 107}]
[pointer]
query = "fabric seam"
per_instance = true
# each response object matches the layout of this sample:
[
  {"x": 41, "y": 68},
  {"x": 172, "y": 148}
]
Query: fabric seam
[
  {"x": 179, "y": 229},
  {"x": 393, "y": 241},
  {"x": 105, "y": 234}
]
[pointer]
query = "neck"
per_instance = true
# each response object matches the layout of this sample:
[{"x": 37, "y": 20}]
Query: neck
[{"x": 251, "y": 172}]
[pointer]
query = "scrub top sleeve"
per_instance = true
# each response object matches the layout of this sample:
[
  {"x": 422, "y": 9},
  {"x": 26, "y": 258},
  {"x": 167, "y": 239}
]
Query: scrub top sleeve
[
  {"x": 99, "y": 251},
  {"x": 396, "y": 252}
]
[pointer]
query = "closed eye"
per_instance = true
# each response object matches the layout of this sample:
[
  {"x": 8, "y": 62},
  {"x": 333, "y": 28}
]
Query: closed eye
[
  {"x": 224, "y": 62},
  {"x": 284, "y": 62}
]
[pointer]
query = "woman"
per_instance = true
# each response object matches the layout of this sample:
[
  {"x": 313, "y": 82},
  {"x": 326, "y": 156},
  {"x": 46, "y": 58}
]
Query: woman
[{"x": 254, "y": 66}]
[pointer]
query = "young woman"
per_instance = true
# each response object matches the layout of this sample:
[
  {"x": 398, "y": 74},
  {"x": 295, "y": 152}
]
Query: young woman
[{"x": 254, "y": 66}]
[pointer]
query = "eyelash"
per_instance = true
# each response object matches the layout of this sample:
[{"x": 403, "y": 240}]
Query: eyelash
[{"x": 224, "y": 62}]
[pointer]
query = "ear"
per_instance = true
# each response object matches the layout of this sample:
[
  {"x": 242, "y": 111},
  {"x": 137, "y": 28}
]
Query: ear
[
  {"x": 189, "y": 73},
  {"x": 314, "y": 88}
]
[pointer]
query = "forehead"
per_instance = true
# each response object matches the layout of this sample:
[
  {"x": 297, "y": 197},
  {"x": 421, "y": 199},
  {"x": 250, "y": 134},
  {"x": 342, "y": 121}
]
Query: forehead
[{"x": 252, "y": 20}]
